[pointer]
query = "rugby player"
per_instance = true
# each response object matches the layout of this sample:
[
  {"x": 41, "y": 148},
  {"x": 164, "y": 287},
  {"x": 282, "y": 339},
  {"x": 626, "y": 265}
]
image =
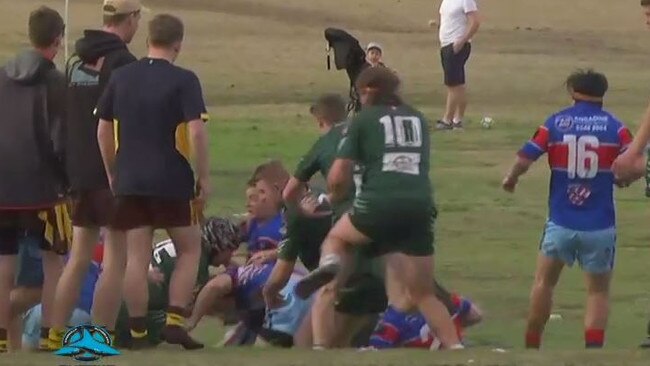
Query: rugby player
[
  {"x": 393, "y": 213},
  {"x": 582, "y": 142},
  {"x": 219, "y": 239},
  {"x": 97, "y": 54},
  {"x": 152, "y": 117},
  {"x": 31, "y": 142},
  {"x": 363, "y": 297}
]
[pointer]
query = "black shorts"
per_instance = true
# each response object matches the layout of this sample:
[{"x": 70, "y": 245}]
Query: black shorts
[
  {"x": 453, "y": 64},
  {"x": 15, "y": 226},
  {"x": 92, "y": 209},
  {"x": 132, "y": 212}
]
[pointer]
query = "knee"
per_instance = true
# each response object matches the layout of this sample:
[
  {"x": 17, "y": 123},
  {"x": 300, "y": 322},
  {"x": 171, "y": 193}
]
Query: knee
[{"x": 419, "y": 290}]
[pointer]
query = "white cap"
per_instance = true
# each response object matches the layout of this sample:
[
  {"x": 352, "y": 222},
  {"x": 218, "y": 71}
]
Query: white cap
[{"x": 372, "y": 45}]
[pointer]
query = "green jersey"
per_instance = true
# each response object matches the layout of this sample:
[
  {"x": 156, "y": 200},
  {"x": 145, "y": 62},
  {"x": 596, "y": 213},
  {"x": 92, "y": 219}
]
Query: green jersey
[
  {"x": 320, "y": 158},
  {"x": 304, "y": 238},
  {"x": 392, "y": 144},
  {"x": 164, "y": 259}
]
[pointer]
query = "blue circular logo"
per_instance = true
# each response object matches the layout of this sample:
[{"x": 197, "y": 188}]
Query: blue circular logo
[{"x": 87, "y": 343}]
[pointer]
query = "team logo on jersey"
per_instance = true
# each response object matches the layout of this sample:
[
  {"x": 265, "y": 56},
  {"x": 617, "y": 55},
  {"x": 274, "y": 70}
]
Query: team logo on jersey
[
  {"x": 578, "y": 194},
  {"x": 564, "y": 123}
]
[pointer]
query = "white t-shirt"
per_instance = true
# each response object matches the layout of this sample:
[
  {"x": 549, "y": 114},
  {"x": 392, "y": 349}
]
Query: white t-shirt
[{"x": 453, "y": 19}]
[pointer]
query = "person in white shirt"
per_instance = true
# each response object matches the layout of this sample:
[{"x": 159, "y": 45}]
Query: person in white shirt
[{"x": 459, "y": 22}]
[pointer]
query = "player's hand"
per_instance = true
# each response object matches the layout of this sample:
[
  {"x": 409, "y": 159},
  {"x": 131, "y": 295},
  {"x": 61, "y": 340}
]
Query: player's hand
[
  {"x": 273, "y": 300},
  {"x": 629, "y": 167},
  {"x": 204, "y": 191},
  {"x": 261, "y": 257},
  {"x": 509, "y": 183},
  {"x": 314, "y": 207},
  {"x": 155, "y": 276},
  {"x": 433, "y": 23},
  {"x": 111, "y": 183},
  {"x": 458, "y": 46},
  {"x": 190, "y": 324}
]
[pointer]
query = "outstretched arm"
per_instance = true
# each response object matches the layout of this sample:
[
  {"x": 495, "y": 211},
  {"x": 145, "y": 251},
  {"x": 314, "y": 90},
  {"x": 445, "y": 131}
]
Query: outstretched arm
[
  {"x": 519, "y": 168},
  {"x": 276, "y": 282},
  {"x": 210, "y": 293}
]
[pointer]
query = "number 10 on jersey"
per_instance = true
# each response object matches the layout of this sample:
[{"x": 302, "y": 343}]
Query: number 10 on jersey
[{"x": 582, "y": 159}]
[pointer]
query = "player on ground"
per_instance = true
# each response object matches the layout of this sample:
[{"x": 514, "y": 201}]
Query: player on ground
[
  {"x": 32, "y": 177},
  {"x": 582, "y": 142},
  {"x": 151, "y": 113},
  {"x": 97, "y": 54},
  {"x": 219, "y": 239},
  {"x": 393, "y": 213}
]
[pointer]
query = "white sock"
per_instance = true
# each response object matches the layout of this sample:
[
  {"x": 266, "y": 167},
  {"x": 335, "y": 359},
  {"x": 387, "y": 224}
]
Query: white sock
[
  {"x": 456, "y": 347},
  {"x": 457, "y": 121}
]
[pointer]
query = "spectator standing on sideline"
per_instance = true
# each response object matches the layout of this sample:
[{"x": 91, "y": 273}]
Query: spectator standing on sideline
[
  {"x": 459, "y": 22},
  {"x": 374, "y": 54},
  {"x": 152, "y": 115},
  {"x": 31, "y": 170},
  {"x": 97, "y": 54}
]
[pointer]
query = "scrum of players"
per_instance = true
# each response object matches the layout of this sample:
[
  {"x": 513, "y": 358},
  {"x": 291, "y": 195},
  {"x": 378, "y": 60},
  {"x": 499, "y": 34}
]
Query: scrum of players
[{"x": 350, "y": 264}]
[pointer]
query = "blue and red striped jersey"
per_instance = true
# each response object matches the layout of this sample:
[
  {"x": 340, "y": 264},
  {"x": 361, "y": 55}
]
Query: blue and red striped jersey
[{"x": 582, "y": 142}]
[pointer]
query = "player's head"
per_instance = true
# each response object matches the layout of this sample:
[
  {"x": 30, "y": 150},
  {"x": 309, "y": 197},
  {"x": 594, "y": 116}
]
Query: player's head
[
  {"x": 378, "y": 86},
  {"x": 270, "y": 180},
  {"x": 587, "y": 85},
  {"x": 645, "y": 4},
  {"x": 374, "y": 53},
  {"x": 123, "y": 16},
  {"x": 220, "y": 237},
  {"x": 46, "y": 28},
  {"x": 251, "y": 197},
  {"x": 166, "y": 32},
  {"x": 328, "y": 110}
]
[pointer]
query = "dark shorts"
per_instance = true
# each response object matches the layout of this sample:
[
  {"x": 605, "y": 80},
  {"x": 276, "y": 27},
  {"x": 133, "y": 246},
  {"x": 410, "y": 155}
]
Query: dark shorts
[
  {"x": 132, "y": 212},
  {"x": 395, "y": 225},
  {"x": 15, "y": 226},
  {"x": 453, "y": 64},
  {"x": 30, "y": 262},
  {"x": 92, "y": 209}
]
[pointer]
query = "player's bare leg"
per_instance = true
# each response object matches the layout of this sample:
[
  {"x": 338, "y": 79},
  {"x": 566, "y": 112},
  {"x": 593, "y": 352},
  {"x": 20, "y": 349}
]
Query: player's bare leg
[
  {"x": 461, "y": 106},
  {"x": 547, "y": 275},
  {"x": 22, "y": 299},
  {"x": 334, "y": 270},
  {"x": 304, "y": 335},
  {"x": 455, "y": 98},
  {"x": 136, "y": 290},
  {"x": 415, "y": 274},
  {"x": 52, "y": 269},
  {"x": 187, "y": 241},
  {"x": 69, "y": 286},
  {"x": 108, "y": 291},
  {"x": 597, "y": 311}
]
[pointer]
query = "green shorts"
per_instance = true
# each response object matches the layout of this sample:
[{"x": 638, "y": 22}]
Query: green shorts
[
  {"x": 364, "y": 293},
  {"x": 396, "y": 226}
]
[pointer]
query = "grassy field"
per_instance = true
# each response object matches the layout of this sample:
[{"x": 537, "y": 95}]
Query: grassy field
[{"x": 262, "y": 61}]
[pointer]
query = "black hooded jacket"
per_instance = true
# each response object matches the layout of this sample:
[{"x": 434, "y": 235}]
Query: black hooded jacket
[
  {"x": 31, "y": 134},
  {"x": 97, "y": 55}
]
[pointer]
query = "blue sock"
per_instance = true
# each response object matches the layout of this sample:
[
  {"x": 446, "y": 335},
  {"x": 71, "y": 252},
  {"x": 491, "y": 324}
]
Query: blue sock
[{"x": 387, "y": 332}]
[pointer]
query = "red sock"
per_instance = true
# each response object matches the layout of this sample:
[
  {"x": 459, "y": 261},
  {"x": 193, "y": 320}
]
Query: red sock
[
  {"x": 533, "y": 340},
  {"x": 594, "y": 338}
]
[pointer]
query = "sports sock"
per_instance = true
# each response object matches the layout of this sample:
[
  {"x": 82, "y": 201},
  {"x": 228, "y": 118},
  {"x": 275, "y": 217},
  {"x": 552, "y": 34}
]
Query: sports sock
[
  {"x": 533, "y": 339},
  {"x": 44, "y": 341},
  {"x": 175, "y": 316},
  {"x": 387, "y": 332},
  {"x": 55, "y": 338},
  {"x": 138, "y": 327},
  {"x": 3, "y": 340},
  {"x": 594, "y": 338}
]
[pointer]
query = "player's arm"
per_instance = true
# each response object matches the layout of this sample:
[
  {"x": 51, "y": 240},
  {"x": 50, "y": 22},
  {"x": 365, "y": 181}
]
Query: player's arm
[
  {"x": 105, "y": 130},
  {"x": 473, "y": 22},
  {"x": 642, "y": 137},
  {"x": 307, "y": 167},
  {"x": 195, "y": 112},
  {"x": 527, "y": 155},
  {"x": 279, "y": 277},
  {"x": 340, "y": 179},
  {"x": 293, "y": 191},
  {"x": 217, "y": 287}
]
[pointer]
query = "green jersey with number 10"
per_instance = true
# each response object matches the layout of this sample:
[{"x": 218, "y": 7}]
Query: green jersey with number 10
[{"x": 392, "y": 144}]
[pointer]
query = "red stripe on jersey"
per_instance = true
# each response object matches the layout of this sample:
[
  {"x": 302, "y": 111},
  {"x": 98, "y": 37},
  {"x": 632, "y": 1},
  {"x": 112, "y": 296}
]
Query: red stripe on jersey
[
  {"x": 558, "y": 156},
  {"x": 625, "y": 137},
  {"x": 541, "y": 138}
]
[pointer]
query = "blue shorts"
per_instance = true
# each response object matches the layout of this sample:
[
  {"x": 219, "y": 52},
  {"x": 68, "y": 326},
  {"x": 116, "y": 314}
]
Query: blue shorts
[
  {"x": 288, "y": 318},
  {"x": 30, "y": 264},
  {"x": 32, "y": 324},
  {"x": 595, "y": 251}
]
